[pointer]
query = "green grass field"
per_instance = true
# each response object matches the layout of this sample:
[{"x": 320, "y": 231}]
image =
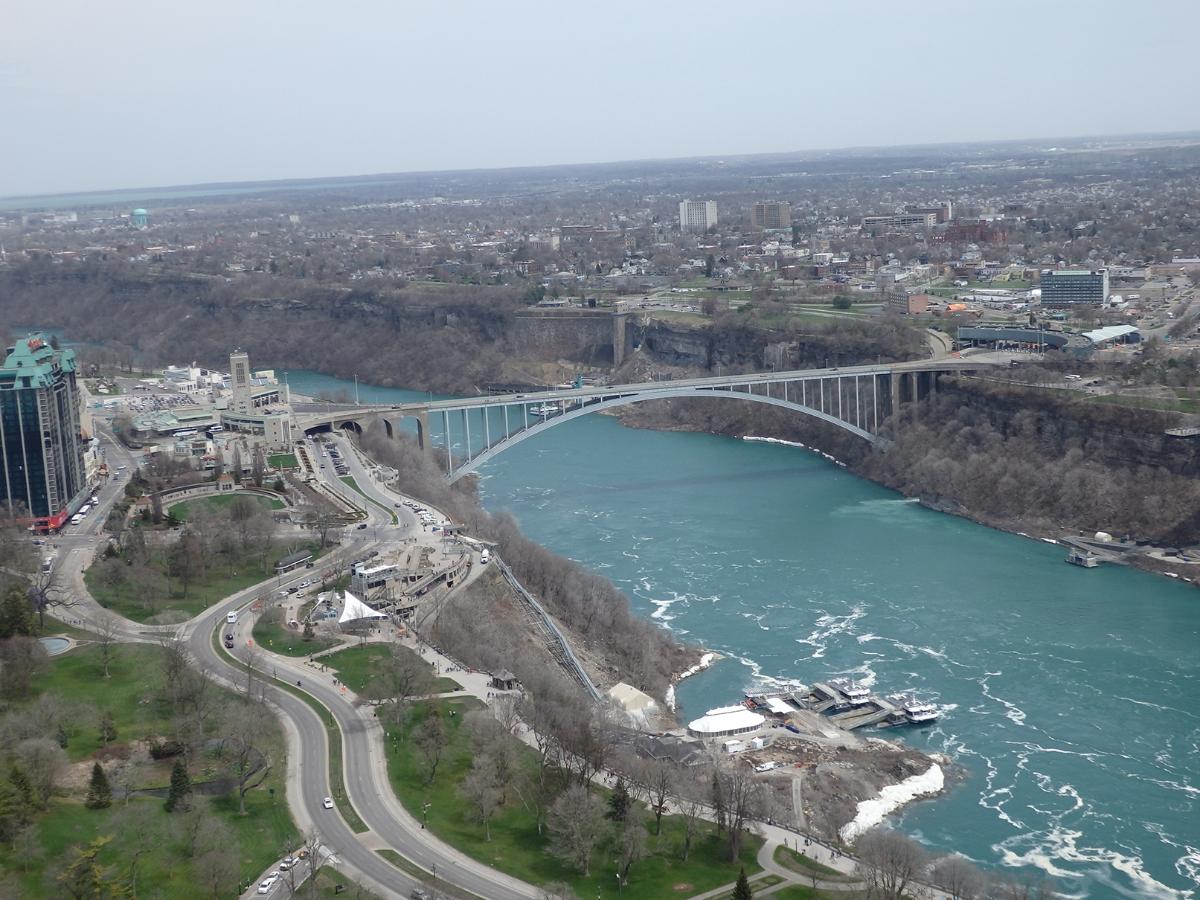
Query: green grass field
[
  {"x": 129, "y": 694},
  {"x": 518, "y": 849},
  {"x": 142, "y": 827},
  {"x": 217, "y": 584},
  {"x": 800, "y": 863},
  {"x": 283, "y": 461},
  {"x": 355, "y": 665},
  {"x": 349, "y": 481},
  {"x": 1166, "y": 404},
  {"x": 185, "y": 508},
  {"x": 273, "y": 635}
]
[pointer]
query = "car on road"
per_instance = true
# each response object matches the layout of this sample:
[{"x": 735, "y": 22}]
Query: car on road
[
  {"x": 229, "y": 642},
  {"x": 327, "y": 803},
  {"x": 268, "y": 884},
  {"x": 362, "y": 526},
  {"x": 419, "y": 894},
  {"x": 293, "y": 590},
  {"x": 305, "y": 583},
  {"x": 287, "y": 863}
]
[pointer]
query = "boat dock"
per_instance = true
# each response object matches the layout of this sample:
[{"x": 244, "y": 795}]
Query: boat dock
[{"x": 838, "y": 707}]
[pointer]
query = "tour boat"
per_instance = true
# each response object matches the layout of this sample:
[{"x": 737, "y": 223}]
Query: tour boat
[{"x": 919, "y": 713}]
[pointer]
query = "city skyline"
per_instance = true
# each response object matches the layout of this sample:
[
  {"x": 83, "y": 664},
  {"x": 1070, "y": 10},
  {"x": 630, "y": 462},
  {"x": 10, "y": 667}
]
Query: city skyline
[{"x": 145, "y": 97}]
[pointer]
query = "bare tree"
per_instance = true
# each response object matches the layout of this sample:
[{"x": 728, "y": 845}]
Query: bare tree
[
  {"x": 106, "y": 633},
  {"x": 959, "y": 878},
  {"x": 402, "y": 675},
  {"x": 46, "y": 592},
  {"x": 504, "y": 709},
  {"x": 576, "y": 825},
  {"x": 22, "y": 659},
  {"x": 43, "y": 762},
  {"x": 631, "y": 845},
  {"x": 431, "y": 741},
  {"x": 482, "y": 790},
  {"x": 737, "y": 799},
  {"x": 691, "y": 815},
  {"x": 242, "y": 746},
  {"x": 892, "y": 861},
  {"x": 658, "y": 778}
]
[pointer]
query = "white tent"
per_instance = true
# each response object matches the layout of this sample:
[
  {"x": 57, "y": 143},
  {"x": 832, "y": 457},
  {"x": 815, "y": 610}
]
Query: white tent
[{"x": 355, "y": 610}]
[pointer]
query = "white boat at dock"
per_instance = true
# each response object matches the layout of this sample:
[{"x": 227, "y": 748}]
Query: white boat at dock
[
  {"x": 545, "y": 411},
  {"x": 855, "y": 693},
  {"x": 920, "y": 713}
]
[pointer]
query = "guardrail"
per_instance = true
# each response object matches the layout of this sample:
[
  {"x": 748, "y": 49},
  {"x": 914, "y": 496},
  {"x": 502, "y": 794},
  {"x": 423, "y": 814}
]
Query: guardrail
[{"x": 567, "y": 657}]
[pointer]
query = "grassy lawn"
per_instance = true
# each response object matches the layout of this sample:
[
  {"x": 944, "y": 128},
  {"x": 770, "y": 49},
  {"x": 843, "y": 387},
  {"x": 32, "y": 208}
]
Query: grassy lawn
[
  {"x": 129, "y": 694},
  {"x": 270, "y": 632},
  {"x": 282, "y": 461},
  {"x": 355, "y": 665},
  {"x": 800, "y": 863},
  {"x": 444, "y": 887},
  {"x": 517, "y": 849},
  {"x": 216, "y": 584},
  {"x": 328, "y": 880},
  {"x": 1166, "y": 404},
  {"x": 349, "y": 481},
  {"x": 142, "y": 826},
  {"x": 183, "y": 509},
  {"x": 800, "y": 892}
]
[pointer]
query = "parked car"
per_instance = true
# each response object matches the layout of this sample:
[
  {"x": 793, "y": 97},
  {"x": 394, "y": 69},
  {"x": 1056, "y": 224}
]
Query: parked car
[
  {"x": 229, "y": 642},
  {"x": 327, "y": 803}
]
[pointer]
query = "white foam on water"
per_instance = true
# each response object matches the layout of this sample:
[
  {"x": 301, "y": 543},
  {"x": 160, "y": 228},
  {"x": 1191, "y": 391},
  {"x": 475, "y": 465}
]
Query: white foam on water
[
  {"x": 828, "y": 626},
  {"x": 1061, "y": 845},
  {"x": 872, "y": 812}
]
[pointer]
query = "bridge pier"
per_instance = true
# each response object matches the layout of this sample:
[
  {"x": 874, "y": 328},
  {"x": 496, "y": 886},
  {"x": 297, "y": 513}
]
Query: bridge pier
[{"x": 915, "y": 396}]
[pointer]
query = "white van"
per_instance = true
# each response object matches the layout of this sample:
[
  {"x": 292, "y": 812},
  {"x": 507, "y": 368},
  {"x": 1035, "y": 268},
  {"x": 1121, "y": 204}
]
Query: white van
[
  {"x": 484, "y": 556},
  {"x": 231, "y": 618}
]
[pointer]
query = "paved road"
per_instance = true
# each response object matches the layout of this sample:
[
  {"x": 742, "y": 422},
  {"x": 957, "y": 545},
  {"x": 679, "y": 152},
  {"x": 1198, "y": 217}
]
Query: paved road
[{"x": 364, "y": 769}]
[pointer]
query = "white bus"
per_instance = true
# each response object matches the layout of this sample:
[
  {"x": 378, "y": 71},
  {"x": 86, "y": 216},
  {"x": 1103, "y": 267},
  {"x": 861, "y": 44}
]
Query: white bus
[
  {"x": 216, "y": 429},
  {"x": 189, "y": 433}
]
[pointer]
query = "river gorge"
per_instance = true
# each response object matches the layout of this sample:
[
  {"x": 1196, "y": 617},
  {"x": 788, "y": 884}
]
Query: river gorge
[{"x": 1068, "y": 695}]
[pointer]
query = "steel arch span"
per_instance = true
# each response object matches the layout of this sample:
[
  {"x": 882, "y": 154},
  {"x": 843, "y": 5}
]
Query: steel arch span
[{"x": 516, "y": 437}]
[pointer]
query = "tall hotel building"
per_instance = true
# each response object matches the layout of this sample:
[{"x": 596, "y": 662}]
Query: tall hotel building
[{"x": 39, "y": 434}]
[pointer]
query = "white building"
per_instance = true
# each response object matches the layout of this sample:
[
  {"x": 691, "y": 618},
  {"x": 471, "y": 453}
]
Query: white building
[
  {"x": 724, "y": 721},
  {"x": 697, "y": 215}
]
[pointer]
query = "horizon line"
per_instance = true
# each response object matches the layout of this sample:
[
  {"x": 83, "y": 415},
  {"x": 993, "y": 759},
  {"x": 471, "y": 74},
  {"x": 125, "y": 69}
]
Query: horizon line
[{"x": 7, "y": 198}]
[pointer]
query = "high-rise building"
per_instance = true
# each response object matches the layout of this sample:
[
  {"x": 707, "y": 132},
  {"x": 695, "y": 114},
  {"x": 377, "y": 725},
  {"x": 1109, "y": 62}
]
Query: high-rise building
[
  {"x": 697, "y": 215},
  {"x": 242, "y": 400},
  {"x": 1061, "y": 287},
  {"x": 772, "y": 215},
  {"x": 44, "y": 476}
]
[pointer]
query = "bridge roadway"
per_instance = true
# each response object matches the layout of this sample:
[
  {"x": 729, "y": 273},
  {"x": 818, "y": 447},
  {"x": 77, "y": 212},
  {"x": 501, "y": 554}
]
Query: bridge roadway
[{"x": 311, "y": 415}]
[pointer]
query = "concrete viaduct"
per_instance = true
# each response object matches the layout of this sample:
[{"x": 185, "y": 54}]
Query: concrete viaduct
[{"x": 855, "y": 398}]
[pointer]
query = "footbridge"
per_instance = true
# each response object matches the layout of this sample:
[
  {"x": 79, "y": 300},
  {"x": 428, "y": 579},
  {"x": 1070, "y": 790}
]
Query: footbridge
[{"x": 475, "y": 429}]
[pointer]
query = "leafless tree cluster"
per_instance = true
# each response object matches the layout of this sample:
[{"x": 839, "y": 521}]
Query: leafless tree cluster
[
  {"x": 590, "y": 606},
  {"x": 893, "y": 866}
]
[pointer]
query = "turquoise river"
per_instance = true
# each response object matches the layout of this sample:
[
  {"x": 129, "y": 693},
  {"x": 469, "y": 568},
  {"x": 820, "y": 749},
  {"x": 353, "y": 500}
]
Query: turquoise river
[{"x": 1071, "y": 696}]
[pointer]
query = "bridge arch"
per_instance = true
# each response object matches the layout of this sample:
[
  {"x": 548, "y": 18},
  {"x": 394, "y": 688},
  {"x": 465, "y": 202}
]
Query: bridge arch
[{"x": 641, "y": 397}]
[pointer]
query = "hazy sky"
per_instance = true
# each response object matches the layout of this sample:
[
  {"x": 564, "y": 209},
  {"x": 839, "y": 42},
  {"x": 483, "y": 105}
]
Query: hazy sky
[{"x": 133, "y": 93}]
